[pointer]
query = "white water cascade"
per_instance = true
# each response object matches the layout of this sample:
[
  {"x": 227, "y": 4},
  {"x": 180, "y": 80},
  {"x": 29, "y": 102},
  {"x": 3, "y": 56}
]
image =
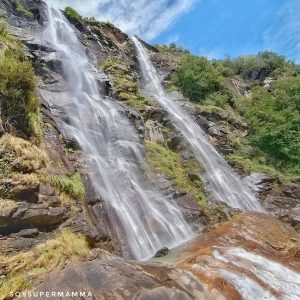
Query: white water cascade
[
  {"x": 219, "y": 178},
  {"x": 142, "y": 218},
  {"x": 275, "y": 275}
]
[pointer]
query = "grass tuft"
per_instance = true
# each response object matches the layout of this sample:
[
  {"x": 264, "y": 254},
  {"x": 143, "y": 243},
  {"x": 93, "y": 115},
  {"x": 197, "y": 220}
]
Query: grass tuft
[
  {"x": 22, "y": 10},
  {"x": 125, "y": 83},
  {"x": 70, "y": 185},
  {"x": 22, "y": 268},
  {"x": 164, "y": 160},
  {"x": 21, "y": 155}
]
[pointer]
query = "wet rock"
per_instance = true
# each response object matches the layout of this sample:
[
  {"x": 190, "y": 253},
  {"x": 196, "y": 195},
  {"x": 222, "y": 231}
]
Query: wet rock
[
  {"x": 59, "y": 162},
  {"x": 294, "y": 217},
  {"x": 259, "y": 182},
  {"x": 250, "y": 238},
  {"x": 174, "y": 142},
  {"x": 110, "y": 277},
  {"x": 155, "y": 114},
  {"x": 162, "y": 252}
]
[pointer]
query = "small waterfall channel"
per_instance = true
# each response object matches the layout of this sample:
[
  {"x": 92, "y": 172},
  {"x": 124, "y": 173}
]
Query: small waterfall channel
[
  {"x": 219, "y": 178},
  {"x": 142, "y": 218}
]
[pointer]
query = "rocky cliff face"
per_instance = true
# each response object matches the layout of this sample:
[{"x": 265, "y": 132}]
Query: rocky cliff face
[{"x": 47, "y": 200}]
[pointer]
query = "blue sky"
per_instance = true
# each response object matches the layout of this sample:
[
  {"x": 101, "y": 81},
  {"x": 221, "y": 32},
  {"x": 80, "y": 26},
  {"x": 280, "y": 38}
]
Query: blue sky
[
  {"x": 213, "y": 28},
  {"x": 216, "y": 28}
]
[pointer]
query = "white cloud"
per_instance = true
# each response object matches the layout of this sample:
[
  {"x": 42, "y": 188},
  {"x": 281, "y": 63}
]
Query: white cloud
[
  {"x": 146, "y": 18},
  {"x": 284, "y": 35}
]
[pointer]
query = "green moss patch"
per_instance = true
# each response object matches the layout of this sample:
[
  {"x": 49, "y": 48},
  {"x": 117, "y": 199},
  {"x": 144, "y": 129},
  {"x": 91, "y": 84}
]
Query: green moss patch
[
  {"x": 125, "y": 83},
  {"x": 168, "y": 162}
]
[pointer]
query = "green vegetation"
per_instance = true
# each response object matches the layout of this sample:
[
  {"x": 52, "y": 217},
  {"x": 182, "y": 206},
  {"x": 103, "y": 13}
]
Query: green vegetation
[
  {"x": 253, "y": 66},
  {"x": 24, "y": 268},
  {"x": 23, "y": 161},
  {"x": 20, "y": 155},
  {"x": 272, "y": 112},
  {"x": 70, "y": 185},
  {"x": 73, "y": 14},
  {"x": 274, "y": 126},
  {"x": 125, "y": 83},
  {"x": 19, "y": 103},
  {"x": 198, "y": 79},
  {"x": 173, "y": 47},
  {"x": 164, "y": 160},
  {"x": 22, "y": 10}
]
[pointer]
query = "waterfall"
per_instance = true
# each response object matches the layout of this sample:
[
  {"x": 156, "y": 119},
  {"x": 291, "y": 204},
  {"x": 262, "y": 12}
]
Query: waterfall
[
  {"x": 219, "y": 178},
  {"x": 282, "y": 279},
  {"x": 142, "y": 218}
]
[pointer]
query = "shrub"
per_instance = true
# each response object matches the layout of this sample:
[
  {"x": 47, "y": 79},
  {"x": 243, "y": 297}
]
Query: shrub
[
  {"x": 19, "y": 103},
  {"x": 275, "y": 125},
  {"x": 197, "y": 78},
  {"x": 265, "y": 61},
  {"x": 172, "y": 47},
  {"x": 73, "y": 14},
  {"x": 22, "y": 10}
]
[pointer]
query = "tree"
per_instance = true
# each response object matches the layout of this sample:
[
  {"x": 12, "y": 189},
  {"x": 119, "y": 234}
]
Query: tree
[{"x": 197, "y": 78}]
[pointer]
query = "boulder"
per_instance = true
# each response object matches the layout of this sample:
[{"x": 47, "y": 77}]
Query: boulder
[
  {"x": 28, "y": 233},
  {"x": 27, "y": 215},
  {"x": 79, "y": 224},
  {"x": 26, "y": 193},
  {"x": 7, "y": 209},
  {"x": 284, "y": 200},
  {"x": 162, "y": 252},
  {"x": 110, "y": 277},
  {"x": 260, "y": 183}
]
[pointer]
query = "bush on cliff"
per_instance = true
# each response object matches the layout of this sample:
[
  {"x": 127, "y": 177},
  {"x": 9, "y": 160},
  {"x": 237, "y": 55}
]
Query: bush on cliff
[
  {"x": 271, "y": 111},
  {"x": 21, "y": 9},
  {"x": 274, "y": 124},
  {"x": 19, "y": 103},
  {"x": 252, "y": 66},
  {"x": 197, "y": 78},
  {"x": 73, "y": 14}
]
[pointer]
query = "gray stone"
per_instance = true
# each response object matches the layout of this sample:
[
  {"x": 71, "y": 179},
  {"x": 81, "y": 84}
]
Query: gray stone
[{"x": 162, "y": 252}]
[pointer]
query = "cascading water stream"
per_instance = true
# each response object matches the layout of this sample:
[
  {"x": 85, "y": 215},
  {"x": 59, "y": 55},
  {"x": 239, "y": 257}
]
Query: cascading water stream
[
  {"x": 273, "y": 274},
  {"x": 142, "y": 218},
  {"x": 220, "y": 180}
]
